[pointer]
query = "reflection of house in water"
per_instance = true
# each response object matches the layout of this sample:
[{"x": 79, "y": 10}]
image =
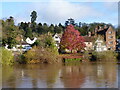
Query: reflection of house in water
[{"x": 72, "y": 77}]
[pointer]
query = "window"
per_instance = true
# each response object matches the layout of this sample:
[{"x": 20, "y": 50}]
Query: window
[
  {"x": 56, "y": 37},
  {"x": 110, "y": 48},
  {"x": 111, "y": 42},
  {"x": 110, "y": 37},
  {"x": 110, "y": 32},
  {"x": 88, "y": 42}
]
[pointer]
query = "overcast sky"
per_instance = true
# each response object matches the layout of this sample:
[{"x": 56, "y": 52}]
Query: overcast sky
[{"x": 54, "y": 11}]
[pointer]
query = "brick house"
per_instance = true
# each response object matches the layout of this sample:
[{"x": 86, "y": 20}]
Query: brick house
[{"x": 109, "y": 36}]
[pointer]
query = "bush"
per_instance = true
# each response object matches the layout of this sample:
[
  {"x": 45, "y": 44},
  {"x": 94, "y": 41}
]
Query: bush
[
  {"x": 105, "y": 56},
  {"x": 7, "y": 57},
  {"x": 86, "y": 55},
  {"x": 41, "y": 55}
]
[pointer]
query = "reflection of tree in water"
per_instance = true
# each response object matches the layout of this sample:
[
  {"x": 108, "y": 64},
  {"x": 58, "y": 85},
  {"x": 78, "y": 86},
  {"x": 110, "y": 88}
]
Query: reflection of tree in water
[
  {"x": 36, "y": 76},
  {"x": 72, "y": 76},
  {"x": 45, "y": 73},
  {"x": 27, "y": 75},
  {"x": 10, "y": 77},
  {"x": 98, "y": 74}
]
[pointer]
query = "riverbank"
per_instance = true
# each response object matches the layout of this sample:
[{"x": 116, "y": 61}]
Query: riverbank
[{"x": 46, "y": 55}]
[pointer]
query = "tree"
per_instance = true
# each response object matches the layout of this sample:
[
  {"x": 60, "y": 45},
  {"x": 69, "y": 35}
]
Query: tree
[
  {"x": 39, "y": 28},
  {"x": 51, "y": 28},
  {"x": 57, "y": 29},
  {"x": 28, "y": 32},
  {"x": 9, "y": 32},
  {"x": 45, "y": 28},
  {"x": 70, "y": 21},
  {"x": 33, "y": 16},
  {"x": 71, "y": 39}
]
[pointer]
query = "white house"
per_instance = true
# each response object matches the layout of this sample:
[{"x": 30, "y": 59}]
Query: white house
[
  {"x": 25, "y": 45},
  {"x": 88, "y": 42},
  {"x": 100, "y": 46},
  {"x": 57, "y": 38}
]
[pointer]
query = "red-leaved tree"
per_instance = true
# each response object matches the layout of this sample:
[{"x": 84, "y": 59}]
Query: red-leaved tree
[{"x": 71, "y": 39}]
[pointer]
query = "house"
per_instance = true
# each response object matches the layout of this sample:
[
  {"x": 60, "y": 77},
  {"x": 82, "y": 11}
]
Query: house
[
  {"x": 109, "y": 35},
  {"x": 118, "y": 45},
  {"x": 57, "y": 38},
  {"x": 23, "y": 46},
  {"x": 99, "y": 45},
  {"x": 88, "y": 41}
]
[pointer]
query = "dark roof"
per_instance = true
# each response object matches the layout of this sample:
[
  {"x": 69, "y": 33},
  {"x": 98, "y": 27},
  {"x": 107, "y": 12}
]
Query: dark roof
[
  {"x": 24, "y": 43},
  {"x": 88, "y": 39},
  {"x": 103, "y": 32}
]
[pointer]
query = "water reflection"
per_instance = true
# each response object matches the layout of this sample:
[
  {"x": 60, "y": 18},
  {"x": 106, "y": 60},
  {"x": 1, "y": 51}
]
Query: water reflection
[{"x": 82, "y": 75}]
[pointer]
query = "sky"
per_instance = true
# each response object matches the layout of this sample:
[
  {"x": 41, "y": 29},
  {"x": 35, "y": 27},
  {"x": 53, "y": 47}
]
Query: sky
[{"x": 54, "y": 11}]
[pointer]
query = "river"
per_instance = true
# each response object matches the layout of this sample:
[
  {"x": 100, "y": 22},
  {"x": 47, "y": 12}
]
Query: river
[{"x": 69, "y": 75}]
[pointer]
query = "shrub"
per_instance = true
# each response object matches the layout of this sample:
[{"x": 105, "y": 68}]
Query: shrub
[
  {"x": 7, "y": 57},
  {"x": 41, "y": 55},
  {"x": 105, "y": 56}
]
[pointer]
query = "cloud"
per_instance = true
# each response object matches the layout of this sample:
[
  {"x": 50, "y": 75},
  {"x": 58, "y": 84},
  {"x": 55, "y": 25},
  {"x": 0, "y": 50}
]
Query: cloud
[
  {"x": 59, "y": 11},
  {"x": 56, "y": 12}
]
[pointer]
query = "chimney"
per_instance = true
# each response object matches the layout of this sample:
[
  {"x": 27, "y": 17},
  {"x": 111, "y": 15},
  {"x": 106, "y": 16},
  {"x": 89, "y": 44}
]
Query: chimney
[
  {"x": 89, "y": 34},
  {"x": 105, "y": 27},
  {"x": 100, "y": 28}
]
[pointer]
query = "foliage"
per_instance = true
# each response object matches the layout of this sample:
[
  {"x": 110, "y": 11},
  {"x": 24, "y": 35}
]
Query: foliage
[
  {"x": 36, "y": 43},
  {"x": 28, "y": 32},
  {"x": 118, "y": 32},
  {"x": 33, "y": 16},
  {"x": 7, "y": 57},
  {"x": 43, "y": 55},
  {"x": 71, "y": 39},
  {"x": 9, "y": 32},
  {"x": 86, "y": 55},
  {"x": 49, "y": 42},
  {"x": 46, "y": 41},
  {"x": 105, "y": 56}
]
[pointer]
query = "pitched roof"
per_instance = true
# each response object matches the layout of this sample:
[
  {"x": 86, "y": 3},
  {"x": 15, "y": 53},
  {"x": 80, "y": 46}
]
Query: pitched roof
[
  {"x": 88, "y": 39},
  {"x": 59, "y": 35}
]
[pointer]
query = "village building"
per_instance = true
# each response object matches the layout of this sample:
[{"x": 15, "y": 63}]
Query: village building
[
  {"x": 118, "y": 45},
  {"x": 23, "y": 46},
  {"x": 57, "y": 38},
  {"x": 109, "y": 36},
  {"x": 88, "y": 41},
  {"x": 99, "y": 45}
]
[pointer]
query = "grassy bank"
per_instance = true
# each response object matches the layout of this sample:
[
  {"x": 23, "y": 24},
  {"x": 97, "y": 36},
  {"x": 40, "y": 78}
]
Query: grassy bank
[{"x": 104, "y": 56}]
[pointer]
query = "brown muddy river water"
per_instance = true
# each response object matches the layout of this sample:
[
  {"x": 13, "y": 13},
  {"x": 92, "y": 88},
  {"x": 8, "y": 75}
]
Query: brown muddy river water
[{"x": 77, "y": 75}]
